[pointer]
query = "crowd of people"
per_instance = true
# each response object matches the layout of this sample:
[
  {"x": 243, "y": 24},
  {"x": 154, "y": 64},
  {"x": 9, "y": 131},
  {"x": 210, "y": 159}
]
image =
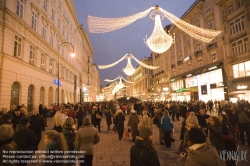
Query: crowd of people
[{"x": 203, "y": 136}]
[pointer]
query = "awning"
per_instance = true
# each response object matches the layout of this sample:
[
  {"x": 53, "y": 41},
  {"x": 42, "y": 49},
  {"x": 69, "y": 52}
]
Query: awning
[{"x": 236, "y": 92}]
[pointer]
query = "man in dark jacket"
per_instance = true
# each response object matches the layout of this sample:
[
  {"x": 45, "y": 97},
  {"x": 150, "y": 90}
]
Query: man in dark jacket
[
  {"x": 183, "y": 110},
  {"x": 37, "y": 125},
  {"x": 25, "y": 138},
  {"x": 202, "y": 119},
  {"x": 16, "y": 117}
]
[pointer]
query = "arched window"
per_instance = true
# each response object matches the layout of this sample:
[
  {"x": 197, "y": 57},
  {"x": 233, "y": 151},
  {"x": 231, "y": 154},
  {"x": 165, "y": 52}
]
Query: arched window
[
  {"x": 30, "y": 98},
  {"x": 42, "y": 95},
  {"x": 15, "y": 89}
]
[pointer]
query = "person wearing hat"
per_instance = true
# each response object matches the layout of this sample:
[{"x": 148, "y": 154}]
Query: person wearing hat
[
  {"x": 25, "y": 138},
  {"x": 144, "y": 152},
  {"x": 200, "y": 153},
  {"x": 85, "y": 139},
  {"x": 16, "y": 117},
  {"x": 133, "y": 124}
]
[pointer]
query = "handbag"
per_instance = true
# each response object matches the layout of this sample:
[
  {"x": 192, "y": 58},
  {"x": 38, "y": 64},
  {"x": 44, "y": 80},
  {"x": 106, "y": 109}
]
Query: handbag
[
  {"x": 57, "y": 128},
  {"x": 155, "y": 121},
  {"x": 98, "y": 116},
  {"x": 127, "y": 133},
  {"x": 228, "y": 136}
]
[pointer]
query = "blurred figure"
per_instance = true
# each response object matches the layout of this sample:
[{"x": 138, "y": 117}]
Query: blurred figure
[
  {"x": 6, "y": 142},
  {"x": 202, "y": 119},
  {"x": 144, "y": 152},
  {"x": 6, "y": 119},
  {"x": 72, "y": 113},
  {"x": 167, "y": 128},
  {"x": 69, "y": 129},
  {"x": 146, "y": 121},
  {"x": 57, "y": 119},
  {"x": 86, "y": 137},
  {"x": 55, "y": 141},
  {"x": 133, "y": 124},
  {"x": 108, "y": 116},
  {"x": 64, "y": 115},
  {"x": 119, "y": 120},
  {"x": 80, "y": 114},
  {"x": 16, "y": 117}
]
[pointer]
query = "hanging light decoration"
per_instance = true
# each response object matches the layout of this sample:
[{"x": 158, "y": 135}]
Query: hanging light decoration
[
  {"x": 119, "y": 77},
  {"x": 129, "y": 69}
]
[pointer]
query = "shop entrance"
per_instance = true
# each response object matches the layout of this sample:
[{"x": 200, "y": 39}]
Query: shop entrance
[{"x": 194, "y": 96}]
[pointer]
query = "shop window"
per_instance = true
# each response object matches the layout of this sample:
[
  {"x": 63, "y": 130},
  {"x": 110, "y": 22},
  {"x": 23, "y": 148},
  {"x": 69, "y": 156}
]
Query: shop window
[
  {"x": 241, "y": 69},
  {"x": 236, "y": 71},
  {"x": 19, "y": 8},
  {"x": 247, "y": 68},
  {"x": 32, "y": 55},
  {"x": 17, "y": 46},
  {"x": 15, "y": 91}
]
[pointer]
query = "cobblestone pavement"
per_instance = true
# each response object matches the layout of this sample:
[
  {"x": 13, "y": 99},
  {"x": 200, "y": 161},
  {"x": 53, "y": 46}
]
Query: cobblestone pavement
[{"x": 111, "y": 151}]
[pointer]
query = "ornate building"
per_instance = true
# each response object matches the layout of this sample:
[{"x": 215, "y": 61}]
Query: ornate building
[{"x": 31, "y": 36}]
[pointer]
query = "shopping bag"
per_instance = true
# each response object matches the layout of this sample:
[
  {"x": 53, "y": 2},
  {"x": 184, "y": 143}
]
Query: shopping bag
[{"x": 127, "y": 133}]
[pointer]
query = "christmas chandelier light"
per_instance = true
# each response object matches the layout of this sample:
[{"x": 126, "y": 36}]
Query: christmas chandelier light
[
  {"x": 119, "y": 77},
  {"x": 159, "y": 41},
  {"x": 117, "y": 85},
  {"x": 129, "y": 69}
]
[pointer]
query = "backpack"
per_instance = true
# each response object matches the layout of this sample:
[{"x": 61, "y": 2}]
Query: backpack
[{"x": 243, "y": 118}]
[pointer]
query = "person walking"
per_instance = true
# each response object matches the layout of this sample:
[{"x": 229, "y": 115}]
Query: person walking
[
  {"x": 80, "y": 114},
  {"x": 16, "y": 116},
  {"x": 108, "y": 116},
  {"x": 57, "y": 119},
  {"x": 68, "y": 131},
  {"x": 119, "y": 120},
  {"x": 167, "y": 128},
  {"x": 133, "y": 122},
  {"x": 86, "y": 137},
  {"x": 144, "y": 151},
  {"x": 145, "y": 121}
]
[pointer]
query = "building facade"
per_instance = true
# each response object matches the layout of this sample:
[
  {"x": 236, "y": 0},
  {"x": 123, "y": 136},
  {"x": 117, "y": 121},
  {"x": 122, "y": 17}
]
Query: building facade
[
  {"x": 32, "y": 33},
  {"x": 218, "y": 70}
]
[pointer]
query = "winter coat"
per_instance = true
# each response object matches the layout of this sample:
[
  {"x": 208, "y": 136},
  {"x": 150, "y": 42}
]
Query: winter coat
[
  {"x": 201, "y": 154},
  {"x": 8, "y": 145},
  {"x": 25, "y": 138},
  {"x": 215, "y": 136},
  {"x": 183, "y": 111},
  {"x": 233, "y": 117},
  {"x": 166, "y": 124},
  {"x": 202, "y": 120},
  {"x": 229, "y": 144},
  {"x": 108, "y": 116},
  {"x": 133, "y": 124},
  {"x": 58, "y": 119},
  {"x": 15, "y": 120},
  {"x": 141, "y": 156},
  {"x": 37, "y": 123},
  {"x": 69, "y": 135},
  {"x": 85, "y": 139},
  {"x": 119, "y": 120},
  {"x": 72, "y": 114},
  {"x": 145, "y": 122}
]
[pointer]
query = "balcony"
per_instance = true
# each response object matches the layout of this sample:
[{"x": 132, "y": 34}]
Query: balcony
[
  {"x": 211, "y": 46},
  {"x": 198, "y": 53},
  {"x": 180, "y": 63},
  {"x": 172, "y": 66}
]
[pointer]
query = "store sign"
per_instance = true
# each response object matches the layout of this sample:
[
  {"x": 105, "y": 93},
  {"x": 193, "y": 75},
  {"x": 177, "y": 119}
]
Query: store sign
[
  {"x": 212, "y": 68},
  {"x": 194, "y": 89},
  {"x": 242, "y": 87},
  {"x": 172, "y": 80},
  {"x": 165, "y": 89},
  {"x": 56, "y": 82},
  {"x": 182, "y": 90},
  {"x": 220, "y": 84},
  {"x": 189, "y": 75}
]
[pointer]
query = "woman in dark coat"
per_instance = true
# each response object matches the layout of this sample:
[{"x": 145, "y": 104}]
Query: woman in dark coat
[
  {"x": 108, "y": 116},
  {"x": 119, "y": 120},
  {"x": 215, "y": 133},
  {"x": 133, "y": 124},
  {"x": 68, "y": 130},
  {"x": 144, "y": 152},
  {"x": 80, "y": 114}
]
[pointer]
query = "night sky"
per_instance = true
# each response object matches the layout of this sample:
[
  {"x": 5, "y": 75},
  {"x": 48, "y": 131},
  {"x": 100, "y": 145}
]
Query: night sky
[{"x": 111, "y": 46}]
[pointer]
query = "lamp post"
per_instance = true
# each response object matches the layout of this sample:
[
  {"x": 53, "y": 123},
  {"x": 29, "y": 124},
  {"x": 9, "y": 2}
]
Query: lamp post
[{"x": 58, "y": 81}]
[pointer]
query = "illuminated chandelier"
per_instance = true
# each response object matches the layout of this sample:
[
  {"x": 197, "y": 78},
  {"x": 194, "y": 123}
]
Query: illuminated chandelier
[
  {"x": 159, "y": 41},
  {"x": 129, "y": 69},
  {"x": 117, "y": 85}
]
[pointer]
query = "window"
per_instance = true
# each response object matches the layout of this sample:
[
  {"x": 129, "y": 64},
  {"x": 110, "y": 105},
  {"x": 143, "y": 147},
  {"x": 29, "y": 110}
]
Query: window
[
  {"x": 59, "y": 6},
  {"x": 44, "y": 31},
  {"x": 230, "y": 9},
  {"x": 67, "y": 36},
  {"x": 63, "y": 30},
  {"x": 196, "y": 20},
  {"x": 51, "y": 39},
  {"x": 239, "y": 3},
  {"x": 33, "y": 22},
  {"x": 56, "y": 66},
  {"x": 88, "y": 69},
  {"x": 42, "y": 61},
  {"x": 66, "y": 77},
  {"x": 58, "y": 23},
  {"x": 208, "y": 9},
  {"x": 45, "y": 5},
  {"x": 19, "y": 8},
  {"x": 241, "y": 69},
  {"x": 240, "y": 46},
  {"x": 189, "y": 67},
  {"x": 199, "y": 62},
  {"x": 32, "y": 54},
  {"x": 181, "y": 70},
  {"x": 53, "y": 15},
  {"x": 237, "y": 25},
  {"x": 62, "y": 51},
  {"x": 187, "y": 41},
  {"x": 50, "y": 65},
  {"x": 17, "y": 46},
  {"x": 214, "y": 58},
  {"x": 62, "y": 72},
  {"x": 210, "y": 24},
  {"x": 198, "y": 47}
]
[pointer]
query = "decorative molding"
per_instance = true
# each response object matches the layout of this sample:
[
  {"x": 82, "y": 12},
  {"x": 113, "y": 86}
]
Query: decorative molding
[{"x": 34, "y": 6}]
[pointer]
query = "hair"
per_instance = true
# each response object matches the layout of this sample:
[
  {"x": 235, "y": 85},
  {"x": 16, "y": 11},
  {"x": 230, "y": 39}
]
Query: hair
[
  {"x": 148, "y": 143},
  {"x": 55, "y": 136},
  {"x": 69, "y": 121},
  {"x": 6, "y": 132},
  {"x": 216, "y": 121},
  {"x": 225, "y": 118},
  {"x": 145, "y": 113},
  {"x": 165, "y": 113},
  {"x": 65, "y": 110},
  {"x": 13, "y": 107},
  {"x": 59, "y": 109},
  {"x": 24, "y": 111},
  {"x": 6, "y": 117}
]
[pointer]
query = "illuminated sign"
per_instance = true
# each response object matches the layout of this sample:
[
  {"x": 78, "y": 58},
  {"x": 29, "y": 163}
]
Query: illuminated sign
[
  {"x": 165, "y": 89},
  {"x": 181, "y": 90},
  {"x": 189, "y": 75},
  {"x": 172, "y": 80},
  {"x": 186, "y": 59},
  {"x": 212, "y": 68},
  {"x": 86, "y": 94},
  {"x": 56, "y": 82},
  {"x": 219, "y": 84},
  {"x": 242, "y": 87}
]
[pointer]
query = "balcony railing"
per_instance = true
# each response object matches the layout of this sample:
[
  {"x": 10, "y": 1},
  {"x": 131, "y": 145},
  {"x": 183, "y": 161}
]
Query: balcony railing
[{"x": 172, "y": 66}]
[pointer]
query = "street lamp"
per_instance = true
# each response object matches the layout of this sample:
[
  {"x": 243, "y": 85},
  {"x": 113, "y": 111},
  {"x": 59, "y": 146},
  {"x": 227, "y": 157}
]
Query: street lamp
[{"x": 72, "y": 55}]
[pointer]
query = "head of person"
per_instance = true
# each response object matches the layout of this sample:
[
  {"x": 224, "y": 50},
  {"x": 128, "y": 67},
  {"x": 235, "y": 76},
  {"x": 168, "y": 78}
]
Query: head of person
[
  {"x": 94, "y": 107},
  {"x": 6, "y": 133},
  {"x": 144, "y": 113},
  {"x": 196, "y": 136},
  {"x": 165, "y": 113},
  {"x": 191, "y": 121},
  {"x": 69, "y": 121},
  {"x": 133, "y": 112},
  {"x": 202, "y": 111},
  {"x": 24, "y": 121},
  {"x": 86, "y": 121},
  {"x": 65, "y": 112},
  {"x": 18, "y": 111},
  {"x": 214, "y": 121},
  {"x": 146, "y": 135},
  {"x": 4, "y": 110},
  {"x": 35, "y": 112},
  {"x": 7, "y": 118},
  {"x": 223, "y": 118},
  {"x": 52, "y": 136},
  {"x": 59, "y": 109}
]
